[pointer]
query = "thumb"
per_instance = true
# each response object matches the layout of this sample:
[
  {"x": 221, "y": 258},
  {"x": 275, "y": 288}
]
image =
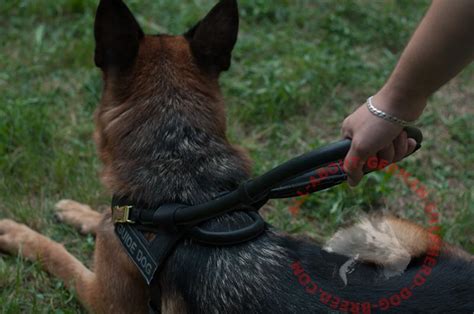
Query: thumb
[
  {"x": 411, "y": 146},
  {"x": 354, "y": 164}
]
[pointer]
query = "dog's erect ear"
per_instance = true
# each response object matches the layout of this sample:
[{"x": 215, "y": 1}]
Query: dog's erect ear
[
  {"x": 117, "y": 35},
  {"x": 214, "y": 37}
]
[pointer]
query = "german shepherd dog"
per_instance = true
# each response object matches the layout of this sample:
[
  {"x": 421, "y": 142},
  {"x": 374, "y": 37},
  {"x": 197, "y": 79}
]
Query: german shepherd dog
[{"x": 161, "y": 135}]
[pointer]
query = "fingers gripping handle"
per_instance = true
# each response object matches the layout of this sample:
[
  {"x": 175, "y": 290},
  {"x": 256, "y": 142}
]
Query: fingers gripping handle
[
  {"x": 331, "y": 174},
  {"x": 292, "y": 178}
]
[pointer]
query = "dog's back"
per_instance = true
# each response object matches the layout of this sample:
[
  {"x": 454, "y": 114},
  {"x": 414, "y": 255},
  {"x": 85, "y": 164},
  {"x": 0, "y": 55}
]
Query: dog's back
[{"x": 161, "y": 135}]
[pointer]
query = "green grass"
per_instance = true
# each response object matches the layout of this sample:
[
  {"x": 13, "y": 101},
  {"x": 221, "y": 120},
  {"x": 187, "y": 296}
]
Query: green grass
[{"x": 298, "y": 69}]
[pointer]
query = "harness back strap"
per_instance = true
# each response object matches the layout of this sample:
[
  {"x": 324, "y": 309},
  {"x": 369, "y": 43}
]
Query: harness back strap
[{"x": 172, "y": 222}]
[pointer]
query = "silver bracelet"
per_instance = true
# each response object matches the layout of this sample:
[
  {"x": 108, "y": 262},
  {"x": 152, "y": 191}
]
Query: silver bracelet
[{"x": 386, "y": 116}]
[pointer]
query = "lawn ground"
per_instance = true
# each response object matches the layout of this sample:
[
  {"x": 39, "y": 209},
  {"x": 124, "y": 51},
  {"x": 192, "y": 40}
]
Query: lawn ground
[{"x": 298, "y": 69}]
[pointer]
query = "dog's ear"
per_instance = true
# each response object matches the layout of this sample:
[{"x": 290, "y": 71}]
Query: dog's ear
[
  {"x": 117, "y": 35},
  {"x": 214, "y": 37}
]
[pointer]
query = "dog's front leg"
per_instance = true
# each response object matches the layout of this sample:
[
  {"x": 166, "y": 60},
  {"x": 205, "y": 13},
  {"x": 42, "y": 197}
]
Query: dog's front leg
[
  {"x": 80, "y": 216},
  {"x": 17, "y": 238}
]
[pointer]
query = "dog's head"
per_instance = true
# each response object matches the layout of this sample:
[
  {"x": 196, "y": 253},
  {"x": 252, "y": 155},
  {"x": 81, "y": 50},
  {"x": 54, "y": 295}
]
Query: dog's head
[
  {"x": 161, "y": 98},
  {"x": 120, "y": 42}
]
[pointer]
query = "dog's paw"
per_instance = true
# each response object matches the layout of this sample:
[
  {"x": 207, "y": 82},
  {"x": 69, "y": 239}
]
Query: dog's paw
[
  {"x": 17, "y": 238},
  {"x": 80, "y": 216}
]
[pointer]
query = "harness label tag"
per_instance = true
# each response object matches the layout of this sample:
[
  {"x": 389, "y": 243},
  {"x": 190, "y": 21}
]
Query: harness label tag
[{"x": 138, "y": 249}]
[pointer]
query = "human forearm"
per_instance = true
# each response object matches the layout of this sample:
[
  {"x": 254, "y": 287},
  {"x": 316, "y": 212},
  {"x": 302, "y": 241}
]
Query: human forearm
[{"x": 441, "y": 46}]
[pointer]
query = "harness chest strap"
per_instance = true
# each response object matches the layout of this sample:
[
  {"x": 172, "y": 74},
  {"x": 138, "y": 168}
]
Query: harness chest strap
[
  {"x": 138, "y": 250},
  {"x": 149, "y": 256},
  {"x": 283, "y": 181}
]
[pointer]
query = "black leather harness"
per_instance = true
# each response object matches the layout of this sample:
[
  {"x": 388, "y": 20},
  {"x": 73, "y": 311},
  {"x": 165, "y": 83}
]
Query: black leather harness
[{"x": 315, "y": 171}]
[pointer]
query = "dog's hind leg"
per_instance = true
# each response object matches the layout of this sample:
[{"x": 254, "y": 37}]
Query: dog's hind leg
[
  {"x": 78, "y": 215},
  {"x": 17, "y": 238}
]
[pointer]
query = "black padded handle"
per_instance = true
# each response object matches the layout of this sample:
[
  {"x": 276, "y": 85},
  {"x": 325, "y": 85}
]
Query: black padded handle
[
  {"x": 281, "y": 180},
  {"x": 230, "y": 237},
  {"x": 329, "y": 175}
]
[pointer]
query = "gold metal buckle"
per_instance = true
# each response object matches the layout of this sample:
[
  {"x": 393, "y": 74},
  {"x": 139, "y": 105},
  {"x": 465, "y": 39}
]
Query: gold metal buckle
[{"x": 121, "y": 214}]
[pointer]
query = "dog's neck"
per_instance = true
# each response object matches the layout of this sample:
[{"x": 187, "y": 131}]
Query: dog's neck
[{"x": 169, "y": 155}]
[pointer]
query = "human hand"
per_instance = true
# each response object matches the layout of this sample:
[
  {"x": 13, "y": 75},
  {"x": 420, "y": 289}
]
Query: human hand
[{"x": 372, "y": 136}]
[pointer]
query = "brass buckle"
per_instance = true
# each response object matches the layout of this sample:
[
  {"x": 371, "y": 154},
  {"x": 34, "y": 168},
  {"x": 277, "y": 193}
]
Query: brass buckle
[{"x": 121, "y": 214}]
